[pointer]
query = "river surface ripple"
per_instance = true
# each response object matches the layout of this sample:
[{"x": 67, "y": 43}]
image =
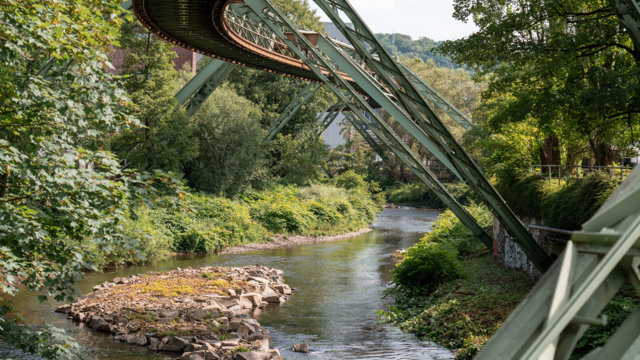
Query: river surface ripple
[{"x": 338, "y": 288}]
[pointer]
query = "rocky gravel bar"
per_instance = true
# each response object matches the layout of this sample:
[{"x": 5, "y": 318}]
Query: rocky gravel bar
[{"x": 198, "y": 314}]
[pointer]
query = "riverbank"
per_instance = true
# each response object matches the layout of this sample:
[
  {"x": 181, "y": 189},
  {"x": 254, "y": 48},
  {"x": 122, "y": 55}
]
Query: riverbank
[
  {"x": 199, "y": 223},
  {"x": 462, "y": 314},
  {"x": 281, "y": 241},
  {"x": 199, "y": 313}
]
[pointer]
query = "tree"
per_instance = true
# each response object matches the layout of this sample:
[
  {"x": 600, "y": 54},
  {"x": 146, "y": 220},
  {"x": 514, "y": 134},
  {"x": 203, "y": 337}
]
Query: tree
[
  {"x": 298, "y": 160},
  {"x": 231, "y": 152},
  {"x": 166, "y": 140},
  {"x": 402, "y": 45},
  {"x": 272, "y": 93},
  {"x": 58, "y": 186},
  {"x": 569, "y": 65}
]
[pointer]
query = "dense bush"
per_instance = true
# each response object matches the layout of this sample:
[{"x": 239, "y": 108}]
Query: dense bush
[
  {"x": 565, "y": 206},
  {"x": 418, "y": 194},
  {"x": 204, "y": 223},
  {"x": 434, "y": 260}
]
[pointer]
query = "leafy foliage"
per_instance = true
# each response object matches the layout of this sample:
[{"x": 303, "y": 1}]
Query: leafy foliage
[
  {"x": 462, "y": 314},
  {"x": 506, "y": 153},
  {"x": 568, "y": 66},
  {"x": 204, "y": 223},
  {"x": 297, "y": 159},
  {"x": 434, "y": 260},
  {"x": 165, "y": 140},
  {"x": 418, "y": 194},
  {"x": 232, "y": 152},
  {"x": 422, "y": 48},
  {"x": 565, "y": 206},
  {"x": 58, "y": 187}
]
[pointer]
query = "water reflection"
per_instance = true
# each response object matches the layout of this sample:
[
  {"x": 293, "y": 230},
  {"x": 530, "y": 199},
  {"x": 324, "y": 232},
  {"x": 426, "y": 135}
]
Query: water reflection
[{"x": 338, "y": 290}]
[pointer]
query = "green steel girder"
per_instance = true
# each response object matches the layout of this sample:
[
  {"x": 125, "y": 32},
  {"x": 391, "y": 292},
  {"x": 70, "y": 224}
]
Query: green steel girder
[
  {"x": 201, "y": 86},
  {"x": 597, "y": 262},
  {"x": 391, "y": 141},
  {"x": 301, "y": 98},
  {"x": 366, "y": 135},
  {"x": 277, "y": 21},
  {"x": 438, "y": 100},
  {"x": 331, "y": 116},
  {"x": 427, "y": 127},
  {"x": 379, "y": 94},
  {"x": 425, "y": 89}
]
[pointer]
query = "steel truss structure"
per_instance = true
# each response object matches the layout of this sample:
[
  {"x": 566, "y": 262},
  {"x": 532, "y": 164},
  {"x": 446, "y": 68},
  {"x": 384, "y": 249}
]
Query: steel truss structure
[
  {"x": 301, "y": 98},
  {"x": 358, "y": 106},
  {"x": 202, "y": 85},
  {"x": 597, "y": 261}
]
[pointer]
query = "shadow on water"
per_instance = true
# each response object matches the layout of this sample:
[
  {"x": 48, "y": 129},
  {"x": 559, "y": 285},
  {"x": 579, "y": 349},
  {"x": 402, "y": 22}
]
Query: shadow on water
[{"x": 338, "y": 288}]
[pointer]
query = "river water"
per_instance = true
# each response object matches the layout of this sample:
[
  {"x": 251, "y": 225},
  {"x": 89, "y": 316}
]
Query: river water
[{"x": 338, "y": 288}]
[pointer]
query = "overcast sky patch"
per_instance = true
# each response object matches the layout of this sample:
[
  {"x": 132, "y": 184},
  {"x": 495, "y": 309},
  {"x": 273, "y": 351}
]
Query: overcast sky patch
[{"x": 418, "y": 18}]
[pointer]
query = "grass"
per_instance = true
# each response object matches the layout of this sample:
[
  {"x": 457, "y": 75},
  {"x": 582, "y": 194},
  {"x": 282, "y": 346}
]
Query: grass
[{"x": 450, "y": 291}]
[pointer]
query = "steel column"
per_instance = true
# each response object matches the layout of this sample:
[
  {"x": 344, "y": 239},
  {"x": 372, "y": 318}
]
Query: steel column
[
  {"x": 301, "y": 98},
  {"x": 438, "y": 100},
  {"x": 201, "y": 86}
]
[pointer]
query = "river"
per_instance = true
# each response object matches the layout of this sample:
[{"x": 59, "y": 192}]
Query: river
[{"x": 338, "y": 288}]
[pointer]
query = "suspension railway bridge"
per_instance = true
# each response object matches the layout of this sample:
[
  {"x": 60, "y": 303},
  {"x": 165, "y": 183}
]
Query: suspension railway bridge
[{"x": 574, "y": 289}]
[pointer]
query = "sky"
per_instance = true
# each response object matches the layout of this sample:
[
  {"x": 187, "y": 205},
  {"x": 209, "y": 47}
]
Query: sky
[{"x": 418, "y": 18}]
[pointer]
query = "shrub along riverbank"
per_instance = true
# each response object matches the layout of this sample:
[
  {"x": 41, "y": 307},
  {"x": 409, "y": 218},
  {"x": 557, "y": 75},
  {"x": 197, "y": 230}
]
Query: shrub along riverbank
[{"x": 203, "y": 223}]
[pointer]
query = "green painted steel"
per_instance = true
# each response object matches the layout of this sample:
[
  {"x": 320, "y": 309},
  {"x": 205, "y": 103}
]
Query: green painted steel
[
  {"x": 305, "y": 95},
  {"x": 201, "y": 86},
  {"x": 425, "y": 89},
  {"x": 319, "y": 64},
  {"x": 331, "y": 116},
  {"x": 366, "y": 135},
  {"x": 570, "y": 298},
  {"x": 427, "y": 127},
  {"x": 379, "y": 94},
  {"x": 438, "y": 100}
]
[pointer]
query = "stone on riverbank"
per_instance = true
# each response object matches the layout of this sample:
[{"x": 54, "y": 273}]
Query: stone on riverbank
[{"x": 199, "y": 313}]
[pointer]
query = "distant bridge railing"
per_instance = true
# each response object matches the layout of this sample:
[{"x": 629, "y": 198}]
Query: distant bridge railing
[{"x": 561, "y": 172}]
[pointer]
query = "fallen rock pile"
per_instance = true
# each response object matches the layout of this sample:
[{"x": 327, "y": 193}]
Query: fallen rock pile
[{"x": 200, "y": 314}]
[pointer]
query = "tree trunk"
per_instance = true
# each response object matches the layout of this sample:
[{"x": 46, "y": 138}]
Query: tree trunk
[
  {"x": 603, "y": 154},
  {"x": 550, "y": 154}
]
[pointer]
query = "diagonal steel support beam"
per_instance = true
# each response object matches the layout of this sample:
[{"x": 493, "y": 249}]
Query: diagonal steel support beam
[
  {"x": 598, "y": 261},
  {"x": 438, "y": 100},
  {"x": 425, "y": 89},
  {"x": 366, "y": 135},
  {"x": 403, "y": 95},
  {"x": 331, "y": 116},
  {"x": 301, "y": 98},
  {"x": 326, "y": 71},
  {"x": 201, "y": 86},
  {"x": 391, "y": 141}
]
